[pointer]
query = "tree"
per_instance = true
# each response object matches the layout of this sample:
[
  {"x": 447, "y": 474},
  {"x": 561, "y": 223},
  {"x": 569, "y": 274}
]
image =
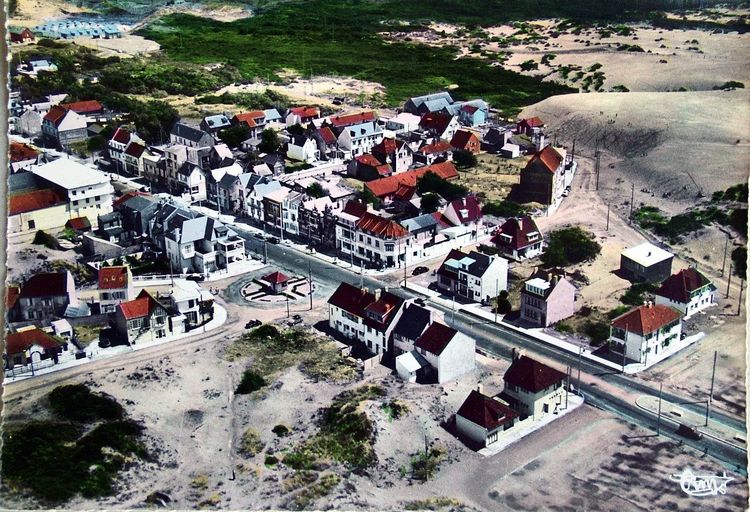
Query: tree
[
  {"x": 503, "y": 304},
  {"x": 464, "y": 159},
  {"x": 269, "y": 141},
  {"x": 430, "y": 202},
  {"x": 431, "y": 182},
  {"x": 235, "y": 135},
  {"x": 315, "y": 190},
  {"x": 369, "y": 198},
  {"x": 504, "y": 209},
  {"x": 296, "y": 129},
  {"x": 569, "y": 246},
  {"x": 739, "y": 261}
]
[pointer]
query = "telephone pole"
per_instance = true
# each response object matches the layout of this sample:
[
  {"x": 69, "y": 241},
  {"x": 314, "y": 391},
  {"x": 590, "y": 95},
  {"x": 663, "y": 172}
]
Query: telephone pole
[
  {"x": 658, "y": 417},
  {"x": 729, "y": 279},
  {"x": 287, "y": 306},
  {"x": 632, "y": 198},
  {"x": 711, "y": 393},
  {"x": 724, "y": 262},
  {"x": 578, "y": 380},
  {"x": 607, "y": 216},
  {"x": 310, "y": 281},
  {"x": 598, "y": 167},
  {"x": 739, "y": 304}
]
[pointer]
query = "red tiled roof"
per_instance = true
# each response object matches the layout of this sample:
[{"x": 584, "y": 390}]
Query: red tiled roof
[
  {"x": 126, "y": 196},
  {"x": 436, "y": 121},
  {"x": 678, "y": 287},
  {"x": 45, "y": 284},
  {"x": 78, "y": 223},
  {"x": 519, "y": 230},
  {"x": 384, "y": 170},
  {"x": 34, "y": 200},
  {"x": 368, "y": 159},
  {"x": 485, "y": 411},
  {"x": 135, "y": 150},
  {"x": 469, "y": 108},
  {"x": 351, "y": 299},
  {"x": 141, "y": 306},
  {"x": 122, "y": 135},
  {"x": 327, "y": 135},
  {"x": 305, "y": 111},
  {"x": 11, "y": 296},
  {"x": 355, "y": 208},
  {"x": 646, "y": 319},
  {"x": 531, "y": 375},
  {"x": 55, "y": 114},
  {"x": 463, "y": 138},
  {"x": 380, "y": 227},
  {"x": 387, "y": 186},
  {"x": 20, "y": 152},
  {"x": 113, "y": 278},
  {"x": 351, "y": 119},
  {"x": 435, "y": 338},
  {"x": 467, "y": 209},
  {"x": 436, "y": 147},
  {"x": 387, "y": 146},
  {"x": 83, "y": 107},
  {"x": 276, "y": 278},
  {"x": 533, "y": 122},
  {"x": 19, "y": 342},
  {"x": 442, "y": 220},
  {"x": 548, "y": 158},
  {"x": 404, "y": 192},
  {"x": 248, "y": 118}
]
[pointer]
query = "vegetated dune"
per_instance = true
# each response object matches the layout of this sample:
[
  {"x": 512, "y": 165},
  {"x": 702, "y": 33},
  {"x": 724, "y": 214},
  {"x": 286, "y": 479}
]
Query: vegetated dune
[{"x": 674, "y": 146}]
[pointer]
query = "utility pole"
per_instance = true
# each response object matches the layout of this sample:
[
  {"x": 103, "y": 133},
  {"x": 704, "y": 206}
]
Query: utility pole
[
  {"x": 607, "y": 216},
  {"x": 287, "y": 306},
  {"x": 567, "y": 388},
  {"x": 624, "y": 345},
  {"x": 497, "y": 297},
  {"x": 739, "y": 304},
  {"x": 404, "y": 270},
  {"x": 598, "y": 167},
  {"x": 729, "y": 279},
  {"x": 711, "y": 393},
  {"x": 309, "y": 278},
  {"x": 658, "y": 416},
  {"x": 453, "y": 305},
  {"x": 632, "y": 198},
  {"x": 281, "y": 218},
  {"x": 361, "y": 277},
  {"x": 578, "y": 380},
  {"x": 724, "y": 262}
]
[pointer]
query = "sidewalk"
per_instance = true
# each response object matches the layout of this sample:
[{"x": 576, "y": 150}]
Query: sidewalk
[
  {"x": 673, "y": 415},
  {"x": 516, "y": 434},
  {"x": 95, "y": 353}
]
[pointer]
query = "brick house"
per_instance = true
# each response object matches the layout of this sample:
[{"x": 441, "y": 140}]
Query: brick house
[{"x": 547, "y": 299}]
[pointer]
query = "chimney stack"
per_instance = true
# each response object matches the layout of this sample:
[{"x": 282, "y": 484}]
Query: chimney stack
[
  {"x": 480, "y": 388},
  {"x": 377, "y": 294}
]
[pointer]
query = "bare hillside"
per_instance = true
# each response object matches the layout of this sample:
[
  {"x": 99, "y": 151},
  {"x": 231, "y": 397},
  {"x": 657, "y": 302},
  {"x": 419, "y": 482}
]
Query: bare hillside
[{"x": 672, "y": 146}]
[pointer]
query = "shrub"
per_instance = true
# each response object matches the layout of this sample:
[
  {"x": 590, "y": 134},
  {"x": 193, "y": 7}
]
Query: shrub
[
  {"x": 449, "y": 191},
  {"x": 76, "y": 402},
  {"x": 739, "y": 261},
  {"x": 570, "y": 246},
  {"x": 250, "y": 443},
  {"x": 504, "y": 208},
  {"x": 597, "y": 331},
  {"x": 732, "y": 84},
  {"x": 281, "y": 430},
  {"x": 250, "y": 382},
  {"x": 270, "y": 460},
  {"x": 637, "y": 294},
  {"x": 424, "y": 465},
  {"x": 269, "y": 141},
  {"x": 464, "y": 159},
  {"x": 529, "y": 65},
  {"x": 563, "y": 327},
  {"x": 45, "y": 239},
  {"x": 430, "y": 202}
]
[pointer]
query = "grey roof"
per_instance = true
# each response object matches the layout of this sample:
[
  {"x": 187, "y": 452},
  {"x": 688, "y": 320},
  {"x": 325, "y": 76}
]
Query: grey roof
[
  {"x": 109, "y": 217},
  {"x": 479, "y": 103},
  {"x": 272, "y": 114},
  {"x": 437, "y": 105},
  {"x": 140, "y": 203},
  {"x": 22, "y": 181},
  {"x": 421, "y": 222},
  {"x": 227, "y": 181},
  {"x": 187, "y": 168},
  {"x": 250, "y": 179},
  {"x": 418, "y": 100},
  {"x": 299, "y": 139},
  {"x": 414, "y": 320},
  {"x": 261, "y": 189},
  {"x": 367, "y": 129},
  {"x": 478, "y": 263},
  {"x": 273, "y": 158},
  {"x": 187, "y": 132},
  {"x": 204, "y": 228},
  {"x": 217, "y": 120}
]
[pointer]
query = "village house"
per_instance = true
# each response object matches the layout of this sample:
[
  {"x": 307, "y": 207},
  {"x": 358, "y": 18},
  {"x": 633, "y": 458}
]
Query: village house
[
  {"x": 385, "y": 188},
  {"x": 78, "y": 225},
  {"x": 215, "y": 123},
  {"x": 33, "y": 206},
  {"x": 29, "y": 124},
  {"x": 109, "y": 227},
  {"x": 117, "y": 145},
  {"x": 303, "y": 148},
  {"x": 442, "y": 353},
  {"x": 481, "y": 420},
  {"x": 142, "y": 319},
  {"x": 155, "y": 166},
  {"x": 402, "y": 123},
  {"x": 529, "y": 126},
  {"x": 688, "y": 291},
  {"x": 646, "y": 262},
  {"x": 45, "y": 296},
  {"x": 434, "y": 152},
  {"x": 547, "y": 299},
  {"x": 301, "y": 115},
  {"x": 545, "y": 176},
  {"x": 533, "y": 389},
  {"x": 328, "y": 144},
  {"x": 115, "y": 286},
  {"x": 21, "y": 156},
  {"x": 232, "y": 191},
  {"x": 255, "y": 195},
  {"x": 32, "y": 346},
  {"x": 519, "y": 238},
  {"x": 275, "y": 162},
  {"x": 89, "y": 108},
  {"x": 136, "y": 213},
  {"x": 360, "y": 138},
  {"x": 280, "y": 210},
  {"x": 190, "y": 302},
  {"x": 369, "y": 318},
  {"x": 420, "y": 105},
  {"x": 473, "y": 276},
  {"x": 375, "y": 242},
  {"x": 466, "y": 141},
  {"x": 63, "y": 126},
  {"x": 272, "y": 117},
  {"x": 645, "y": 329},
  {"x": 21, "y": 35},
  {"x": 413, "y": 322},
  {"x": 395, "y": 153},
  {"x": 191, "y": 137},
  {"x": 473, "y": 113},
  {"x": 495, "y": 139},
  {"x": 133, "y": 158},
  {"x": 339, "y": 122},
  {"x": 367, "y": 168},
  {"x": 214, "y": 177},
  {"x": 190, "y": 182},
  {"x": 440, "y": 125},
  {"x": 202, "y": 245},
  {"x": 317, "y": 221},
  {"x": 465, "y": 211}
]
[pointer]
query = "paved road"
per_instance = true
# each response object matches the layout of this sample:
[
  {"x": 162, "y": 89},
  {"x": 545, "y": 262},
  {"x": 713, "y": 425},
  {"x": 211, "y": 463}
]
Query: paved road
[{"x": 500, "y": 341}]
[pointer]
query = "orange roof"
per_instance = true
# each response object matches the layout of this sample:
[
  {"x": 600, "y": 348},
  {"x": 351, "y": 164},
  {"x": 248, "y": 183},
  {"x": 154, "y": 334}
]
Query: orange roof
[
  {"x": 367, "y": 159},
  {"x": 548, "y": 157},
  {"x": 383, "y": 228},
  {"x": 463, "y": 138},
  {"x": 276, "y": 278},
  {"x": 126, "y": 196},
  {"x": 351, "y": 119},
  {"x": 305, "y": 111},
  {"x": 113, "y": 278},
  {"x": 248, "y": 118},
  {"x": 79, "y": 223},
  {"x": 122, "y": 135},
  {"x": 141, "y": 306},
  {"x": 83, "y": 107},
  {"x": 20, "y": 152},
  {"x": 55, "y": 114},
  {"x": 532, "y": 122},
  {"x": 11, "y": 296},
  {"x": 646, "y": 319},
  {"x": 387, "y": 186},
  {"x": 19, "y": 342},
  {"x": 34, "y": 200},
  {"x": 436, "y": 147}
]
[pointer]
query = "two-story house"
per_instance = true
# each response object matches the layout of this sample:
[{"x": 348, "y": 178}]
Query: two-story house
[
  {"x": 191, "y": 182},
  {"x": 301, "y": 115},
  {"x": 255, "y": 195},
  {"x": 63, "y": 126},
  {"x": 191, "y": 137},
  {"x": 434, "y": 152},
  {"x": 645, "y": 329},
  {"x": 395, "y": 153},
  {"x": 142, "y": 319},
  {"x": 533, "y": 389},
  {"x": 303, "y": 148},
  {"x": 215, "y": 123},
  {"x": 45, "y": 296},
  {"x": 482, "y": 420},
  {"x": 202, "y": 245},
  {"x": 360, "y": 138},
  {"x": 547, "y": 299},
  {"x": 519, "y": 238},
  {"x": 465, "y": 211},
  {"x": 367, "y": 317},
  {"x": 688, "y": 290},
  {"x": 646, "y": 262},
  {"x": 441, "y": 125},
  {"x": 545, "y": 176},
  {"x": 448, "y": 353},
  {"x": 466, "y": 141},
  {"x": 115, "y": 286},
  {"x": 474, "y": 276}
]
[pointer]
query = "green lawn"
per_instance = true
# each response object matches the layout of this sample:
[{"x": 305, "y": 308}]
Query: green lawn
[{"x": 341, "y": 38}]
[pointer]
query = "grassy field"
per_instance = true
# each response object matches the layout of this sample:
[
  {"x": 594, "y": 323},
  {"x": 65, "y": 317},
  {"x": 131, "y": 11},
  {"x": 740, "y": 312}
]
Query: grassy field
[{"x": 341, "y": 38}]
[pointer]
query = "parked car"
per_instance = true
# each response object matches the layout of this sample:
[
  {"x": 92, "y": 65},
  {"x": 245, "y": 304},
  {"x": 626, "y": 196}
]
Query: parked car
[
  {"x": 259, "y": 236},
  {"x": 253, "y": 323},
  {"x": 690, "y": 432},
  {"x": 419, "y": 270},
  {"x": 198, "y": 278},
  {"x": 273, "y": 240}
]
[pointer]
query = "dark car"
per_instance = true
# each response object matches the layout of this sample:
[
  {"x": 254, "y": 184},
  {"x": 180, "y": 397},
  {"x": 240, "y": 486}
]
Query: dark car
[
  {"x": 259, "y": 236},
  {"x": 273, "y": 240},
  {"x": 252, "y": 324},
  {"x": 690, "y": 432},
  {"x": 196, "y": 277},
  {"x": 419, "y": 270}
]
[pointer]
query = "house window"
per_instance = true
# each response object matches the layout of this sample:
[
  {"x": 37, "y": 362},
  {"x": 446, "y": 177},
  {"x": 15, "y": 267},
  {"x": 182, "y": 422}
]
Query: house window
[{"x": 32, "y": 224}]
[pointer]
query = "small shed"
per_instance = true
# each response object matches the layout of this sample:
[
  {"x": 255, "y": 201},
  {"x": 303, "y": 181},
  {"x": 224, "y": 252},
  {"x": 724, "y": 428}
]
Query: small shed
[
  {"x": 410, "y": 364},
  {"x": 79, "y": 225},
  {"x": 276, "y": 282}
]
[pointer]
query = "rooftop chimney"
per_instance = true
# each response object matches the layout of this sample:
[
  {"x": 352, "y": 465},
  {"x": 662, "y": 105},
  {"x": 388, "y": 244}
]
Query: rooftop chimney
[
  {"x": 377, "y": 294},
  {"x": 480, "y": 388}
]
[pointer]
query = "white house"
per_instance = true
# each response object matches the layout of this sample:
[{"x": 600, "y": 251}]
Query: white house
[
  {"x": 473, "y": 276},
  {"x": 688, "y": 291},
  {"x": 360, "y": 138},
  {"x": 303, "y": 149},
  {"x": 192, "y": 181},
  {"x": 203, "y": 245},
  {"x": 533, "y": 389},
  {"x": 187, "y": 297},
  {"x": 115, "y": 286},
  {"x": 357, "y": 313},
  {"x": 482, "y": 420},
  {"x": 449, "y": 352},
  {"x": 89, "y": 191},
  {"x": 64, "y": 126},
  {"x": 644, "y": 330}
]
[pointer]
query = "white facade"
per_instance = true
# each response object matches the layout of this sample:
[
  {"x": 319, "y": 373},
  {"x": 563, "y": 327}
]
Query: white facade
[
  {"x": 455, "y": 360},
  {"x": 307, "y": 153},
  {"x": 638, "y": 347},
  {"x": 360, "y": 138},
  {"x": 536, "y": 405},
  {"x": 194, "y": 183},
  {"x": 698, "y": 302},
  {"x": 354, "y": 327}
]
